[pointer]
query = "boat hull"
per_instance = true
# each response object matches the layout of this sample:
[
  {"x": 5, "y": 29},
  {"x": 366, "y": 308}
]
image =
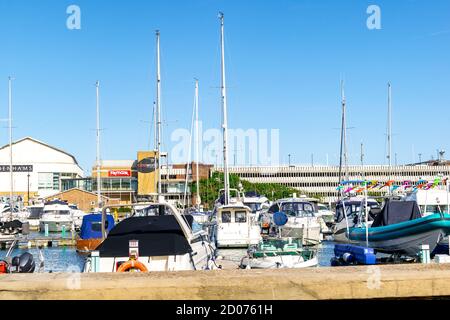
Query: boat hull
[
  {"x": 292, "y": 262},
  {"x": 87, "y": 245},
  {"x": 55, "y": 226},
  {"x": 403, "y": 238}
]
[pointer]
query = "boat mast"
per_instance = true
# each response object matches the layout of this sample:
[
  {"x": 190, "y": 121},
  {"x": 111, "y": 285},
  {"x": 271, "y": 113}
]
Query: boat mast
[
  {"x": 158, "y": 110},
  {"x": 224, "y": 110},
  {"x": 389, "y": 135},
  {"x": 11, "y": 173},
  {"x": 343, "y": 148},
  {"x": 197, "y": 157},
  {"x": 99, "y": 178}
]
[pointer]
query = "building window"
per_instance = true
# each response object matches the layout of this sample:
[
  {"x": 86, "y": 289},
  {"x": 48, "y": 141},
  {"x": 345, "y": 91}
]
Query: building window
[{"x": 48, "y": 181}]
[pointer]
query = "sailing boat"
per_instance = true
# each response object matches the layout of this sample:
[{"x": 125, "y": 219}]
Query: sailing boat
[
  {"x": 90, "y": 236},
  {"x": 158, "y": 238},
  {"x": 196, "y": 211},
  {"x": 235, "y": 225}
]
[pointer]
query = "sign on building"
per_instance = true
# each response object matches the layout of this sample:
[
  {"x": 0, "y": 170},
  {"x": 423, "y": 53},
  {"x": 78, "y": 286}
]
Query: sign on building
[
  {"x": 17, "y": 168},
  {"x": 147, "y": 168}
]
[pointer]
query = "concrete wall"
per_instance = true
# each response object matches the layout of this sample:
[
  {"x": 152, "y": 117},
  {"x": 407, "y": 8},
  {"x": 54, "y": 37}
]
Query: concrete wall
[{"x": 389, "y": 281}]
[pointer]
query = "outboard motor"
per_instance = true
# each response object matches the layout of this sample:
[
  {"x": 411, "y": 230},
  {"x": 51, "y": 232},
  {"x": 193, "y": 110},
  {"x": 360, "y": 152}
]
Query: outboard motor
[{"x": 24, "y": 263}]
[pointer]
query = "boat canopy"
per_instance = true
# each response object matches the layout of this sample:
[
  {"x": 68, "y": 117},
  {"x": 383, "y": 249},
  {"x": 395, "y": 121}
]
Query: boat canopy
[
  {"x": 91, "y": 228},
  {"x": 395, "y": 211},
  {"x": 157, "y": 236}
]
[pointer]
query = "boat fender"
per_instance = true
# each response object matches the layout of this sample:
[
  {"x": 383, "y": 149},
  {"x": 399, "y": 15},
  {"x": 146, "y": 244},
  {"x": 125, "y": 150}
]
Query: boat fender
[
  {"x": 348, "y": 257},
  {"x": 4, "y": 267},
  {"x": 132, "y": 264}
]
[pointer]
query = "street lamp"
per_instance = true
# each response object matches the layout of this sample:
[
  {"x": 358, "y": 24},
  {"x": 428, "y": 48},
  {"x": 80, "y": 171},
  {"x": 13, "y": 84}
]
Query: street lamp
[{"x": 28, "y": 190}]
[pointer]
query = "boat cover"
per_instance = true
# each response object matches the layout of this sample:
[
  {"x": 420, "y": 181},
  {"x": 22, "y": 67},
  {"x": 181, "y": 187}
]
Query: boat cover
[
  {"x": 91, "y": 227},
  {"x": 396, "y": 212},
  {"x": 157, "y": 236}
]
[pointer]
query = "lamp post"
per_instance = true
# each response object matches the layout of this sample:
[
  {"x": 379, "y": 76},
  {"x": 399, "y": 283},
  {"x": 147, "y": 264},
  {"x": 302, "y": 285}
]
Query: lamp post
[{"x": 28, "y": 188}]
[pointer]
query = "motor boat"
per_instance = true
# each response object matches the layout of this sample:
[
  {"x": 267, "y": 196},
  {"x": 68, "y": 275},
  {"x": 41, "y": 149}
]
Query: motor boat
[
  {"x": 90, "y": 236},
  {"x": 279, "y": 253},
  {"x": 347, "y": 211},
  {"x": 161, "y": 239},
  {"x": 77, "y": 216},
  {"x": 302, "y": 222},
  {"x": 34, "y": 215},
  {"x": 256, "y": 202},
  {"x": 57, "y": 216},
  {"x": 234, "y": 226},
  {"x": 399, "y": 229}
]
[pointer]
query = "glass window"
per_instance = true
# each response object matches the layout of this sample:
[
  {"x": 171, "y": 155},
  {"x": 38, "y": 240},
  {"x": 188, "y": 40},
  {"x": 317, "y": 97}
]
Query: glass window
[
  {"x": 226, "y": 217},
  {"x": 45, "y": 181},
  {"x": 273, "y": 208},
  {"x": 240, "y": 217}
]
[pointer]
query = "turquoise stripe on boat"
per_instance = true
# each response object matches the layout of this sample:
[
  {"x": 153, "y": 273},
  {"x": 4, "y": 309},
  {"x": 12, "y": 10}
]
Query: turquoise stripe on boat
[{"x": 431, "y": 222}]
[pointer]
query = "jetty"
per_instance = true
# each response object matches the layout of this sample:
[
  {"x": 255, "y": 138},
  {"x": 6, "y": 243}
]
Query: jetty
[{"x": 359, "y": 282}]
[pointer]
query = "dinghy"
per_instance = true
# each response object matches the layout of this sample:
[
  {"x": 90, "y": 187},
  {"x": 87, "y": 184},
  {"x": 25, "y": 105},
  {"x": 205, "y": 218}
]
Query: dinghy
[{"x": 400, "y": 229}]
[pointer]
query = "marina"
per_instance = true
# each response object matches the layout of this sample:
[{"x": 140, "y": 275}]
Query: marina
[{"x": 230, "y": 212}]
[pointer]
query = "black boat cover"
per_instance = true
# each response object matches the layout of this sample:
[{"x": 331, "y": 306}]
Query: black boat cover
[
  {"x": 157, "y": 236},
  {"x": 397, "y": 211}
]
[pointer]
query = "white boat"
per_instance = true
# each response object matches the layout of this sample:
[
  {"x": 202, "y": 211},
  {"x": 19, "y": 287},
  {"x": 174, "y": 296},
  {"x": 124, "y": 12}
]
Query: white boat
[
  {"x": 302, "y": 221},
  {"x": 256, "y": 203},
  {"x": 5, "y": 213},
  {"x": 56, "y": 214},
  {"x": 158, "y": 237},
  {"x": 77, "y": 216},
  {"x": 34, "y": 215},
  {"x": 150, "y": 243},
  {"x": 235, "y": 226},
  {"x": 279, "y": 253}
]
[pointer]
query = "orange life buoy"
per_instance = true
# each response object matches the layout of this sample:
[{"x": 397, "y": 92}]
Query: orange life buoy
[{"x": 132, "y": 264}]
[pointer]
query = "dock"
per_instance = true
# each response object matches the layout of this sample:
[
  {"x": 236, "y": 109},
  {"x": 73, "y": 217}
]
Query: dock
[
  {"x": 359, "y": 282},
  {"x": 35, "y": 242}
]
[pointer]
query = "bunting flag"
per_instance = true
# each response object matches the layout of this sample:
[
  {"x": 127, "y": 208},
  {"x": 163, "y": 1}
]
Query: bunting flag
[{"x": 358, "y": 186}]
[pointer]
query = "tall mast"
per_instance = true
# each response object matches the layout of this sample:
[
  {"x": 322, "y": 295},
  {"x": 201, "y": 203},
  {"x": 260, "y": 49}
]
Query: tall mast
[
  {"x": 11, "y": 201},
  {"x": 224, "y": 110},
  {"x": 155, "y": 127},
  {"x": 197, "y": 142},
  {"x": 389, "y": 133},
  {"x": 158, "y": 110},
  {"x": 343, "y": 162},
  {"x": 99, "y": 179}
]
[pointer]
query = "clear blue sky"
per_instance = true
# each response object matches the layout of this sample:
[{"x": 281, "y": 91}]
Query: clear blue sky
[{"x": 285, "y": 59}]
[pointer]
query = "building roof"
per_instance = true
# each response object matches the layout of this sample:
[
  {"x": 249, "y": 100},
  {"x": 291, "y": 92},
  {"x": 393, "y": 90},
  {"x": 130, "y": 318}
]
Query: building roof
[
  {"x": 42, "y": 143},
  {"x": 75, "y": 189}
]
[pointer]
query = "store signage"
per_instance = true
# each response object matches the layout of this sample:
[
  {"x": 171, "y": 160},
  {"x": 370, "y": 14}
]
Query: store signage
[
  {"x": 17, "y": 168},
  {"x": 119, "y": 173},
  {"x": 146, "y": 165}
]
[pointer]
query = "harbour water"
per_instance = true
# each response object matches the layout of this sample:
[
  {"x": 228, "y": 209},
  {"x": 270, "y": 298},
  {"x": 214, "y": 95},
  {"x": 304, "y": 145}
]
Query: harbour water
[{"x": 65, "y": 259}]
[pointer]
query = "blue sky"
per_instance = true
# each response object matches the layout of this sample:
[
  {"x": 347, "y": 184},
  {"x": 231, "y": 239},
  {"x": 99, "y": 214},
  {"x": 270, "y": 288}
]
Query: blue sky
[{"x": 285, "y": 59}]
